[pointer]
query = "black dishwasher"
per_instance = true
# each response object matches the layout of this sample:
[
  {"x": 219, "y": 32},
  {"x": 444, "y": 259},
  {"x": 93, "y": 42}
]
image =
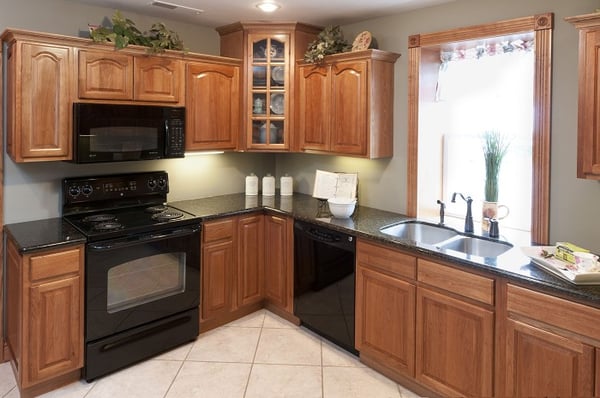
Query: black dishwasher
[{"x": 324, "y": 282}]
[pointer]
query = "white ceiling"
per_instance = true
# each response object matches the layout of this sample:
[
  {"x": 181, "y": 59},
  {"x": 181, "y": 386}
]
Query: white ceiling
[{"x": 222, "y": 12}]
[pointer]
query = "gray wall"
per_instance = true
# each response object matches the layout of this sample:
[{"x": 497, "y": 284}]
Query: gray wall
[
  {"x": 32, "y": 191},
  {"x": 574, "y": 209}
]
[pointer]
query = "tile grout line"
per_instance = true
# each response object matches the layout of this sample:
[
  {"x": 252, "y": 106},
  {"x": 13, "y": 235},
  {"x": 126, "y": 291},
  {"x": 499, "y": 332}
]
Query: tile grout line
[
  {"x": 254, "y": 356},
  {"x": 179, "y": 370}
]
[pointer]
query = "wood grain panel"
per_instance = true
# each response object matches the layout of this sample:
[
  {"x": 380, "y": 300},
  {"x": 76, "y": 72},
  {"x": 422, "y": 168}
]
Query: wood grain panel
[
  {"x": 105, "y": 75},
  {"x": 158, "y": 79},
  {"x": 384, "y": 259},
  {"x": 458, "y": 282},
  {"x": 251, "y": 258},
  {"x": 218, "y": 230},
  {"x": 57, "y": 263}
]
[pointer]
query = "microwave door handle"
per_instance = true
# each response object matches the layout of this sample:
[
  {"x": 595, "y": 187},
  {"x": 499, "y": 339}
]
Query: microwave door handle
[{"x": 136, "y": 240}]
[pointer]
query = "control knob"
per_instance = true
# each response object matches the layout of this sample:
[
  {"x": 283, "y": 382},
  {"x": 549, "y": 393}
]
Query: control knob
[
  {"x": 74, "y": 191},
  {"x": 152, "y": 184},
  {"x": 87, "y": 190}
]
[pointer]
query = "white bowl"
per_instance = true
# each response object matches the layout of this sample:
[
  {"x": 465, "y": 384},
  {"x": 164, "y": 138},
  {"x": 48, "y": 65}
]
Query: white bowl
[{"x": 341, "y": 207}]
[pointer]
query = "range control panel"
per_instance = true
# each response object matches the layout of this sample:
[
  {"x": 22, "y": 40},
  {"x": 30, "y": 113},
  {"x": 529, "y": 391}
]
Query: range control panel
[{"x": 112, "y": 187}]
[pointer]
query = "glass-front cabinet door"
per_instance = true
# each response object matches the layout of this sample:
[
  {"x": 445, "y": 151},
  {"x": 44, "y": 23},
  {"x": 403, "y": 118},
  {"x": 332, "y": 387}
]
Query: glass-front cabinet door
[{"x": 268, "y": 94}]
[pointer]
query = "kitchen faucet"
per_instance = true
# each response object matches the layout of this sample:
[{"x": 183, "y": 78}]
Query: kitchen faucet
[{"x": 469, "y": 216}]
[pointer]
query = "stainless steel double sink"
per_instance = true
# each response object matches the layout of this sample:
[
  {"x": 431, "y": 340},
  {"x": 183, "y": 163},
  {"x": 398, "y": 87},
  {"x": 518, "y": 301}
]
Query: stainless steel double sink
[{"x": 446, "y": 239}]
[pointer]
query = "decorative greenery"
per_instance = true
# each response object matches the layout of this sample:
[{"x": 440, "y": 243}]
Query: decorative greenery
[
  {"x": 329, "y": 41},
  {"x": 494, "y": 149},
  {"x": 124, "y": 32}
]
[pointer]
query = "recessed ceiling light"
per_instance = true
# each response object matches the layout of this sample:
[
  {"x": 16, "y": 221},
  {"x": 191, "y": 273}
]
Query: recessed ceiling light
[{"x": 268, "y": 6}]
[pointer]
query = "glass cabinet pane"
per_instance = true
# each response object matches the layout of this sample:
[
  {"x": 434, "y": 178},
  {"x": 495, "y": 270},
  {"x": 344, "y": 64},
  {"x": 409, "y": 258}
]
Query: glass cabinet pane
[
  {"x": 277, "y": 50},
  {"x": 277, "y": 104},
  {"x": 260, "y": 50},
  {"x": 259, "y": 103},
  {"x": 259, "y": 76},
  {"x": 277, "y": 76},
  {"x": 276, "y": 136}
]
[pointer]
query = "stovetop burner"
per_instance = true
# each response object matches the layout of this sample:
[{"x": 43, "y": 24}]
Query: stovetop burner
[
  {"x": 114, "y": 206},
  {"x": 102, "y": 217},
  {"x": 167, "y": 215},
  {"x": 107, "y": 226},
  {"x": 156, "y": 209}
]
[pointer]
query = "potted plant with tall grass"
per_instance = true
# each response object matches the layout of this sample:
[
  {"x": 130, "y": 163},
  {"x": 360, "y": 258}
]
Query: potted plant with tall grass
[{"x": 495, "y": 146}]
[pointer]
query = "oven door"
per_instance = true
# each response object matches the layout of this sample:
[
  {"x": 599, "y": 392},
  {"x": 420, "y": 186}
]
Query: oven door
[{"x": 139, "y": 279}]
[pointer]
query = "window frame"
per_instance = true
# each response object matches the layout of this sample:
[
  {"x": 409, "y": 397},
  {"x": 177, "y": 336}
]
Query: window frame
[{"x": 542, "y": 26}]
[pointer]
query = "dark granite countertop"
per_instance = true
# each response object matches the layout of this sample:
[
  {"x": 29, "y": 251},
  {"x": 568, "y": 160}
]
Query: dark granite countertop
[
  {"x": 43, "y": 234},
  {"x": 366, "y": 222}
]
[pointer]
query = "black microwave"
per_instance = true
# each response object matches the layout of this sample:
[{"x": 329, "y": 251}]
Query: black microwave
[{"x": 117, "y": 133}]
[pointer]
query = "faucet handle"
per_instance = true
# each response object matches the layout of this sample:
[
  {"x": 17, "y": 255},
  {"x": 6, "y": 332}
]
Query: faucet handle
[
  {"x": 494, "y": 229},
  {"x": 442, "y": 211}
]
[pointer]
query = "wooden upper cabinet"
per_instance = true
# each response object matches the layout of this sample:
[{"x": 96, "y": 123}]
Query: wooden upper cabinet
[
  {"x": 105, "y": 75},
  {"x": 113, "y": 76},
  {"x": 213, "y": 106},
  {"x": 349, "y": 113},
  {"x": 38, "y": 92},
  {"x": 588, "y": 129},
  {"x": 314, "y": 123},
  {"x": 269, "y": 52},
  {"x": 345, "y": 105},
  {"x": 158, "y": 79}
]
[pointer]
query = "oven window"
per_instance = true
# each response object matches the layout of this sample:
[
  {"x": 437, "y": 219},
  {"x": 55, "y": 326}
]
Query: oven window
[{"x": 144, "y": 280}]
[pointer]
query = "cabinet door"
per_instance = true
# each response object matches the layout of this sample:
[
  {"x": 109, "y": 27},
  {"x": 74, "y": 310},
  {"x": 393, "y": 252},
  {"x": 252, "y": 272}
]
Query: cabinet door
[
  {"x": 268, "y": 101},
  {"x": 105, "y": 75},
  {"x": 212, "y": 106},
  {"x": 217, "y": 274},
  {"x": 55, "y": 338},
  {"x": 158, "y": 79},
  {"x": 386, "y": 332},
  {"x": 588, "y": 139},
  {"x": 454, "y": 345},
  {"x": 279, "y": 271},
  {"x": 314, "y": 97},
  {"x": 39, "y": 110},
  {"x": 544, "y": 364},
  {"x": 350, "y": 93},
  {"x": 251, "y": 257}
]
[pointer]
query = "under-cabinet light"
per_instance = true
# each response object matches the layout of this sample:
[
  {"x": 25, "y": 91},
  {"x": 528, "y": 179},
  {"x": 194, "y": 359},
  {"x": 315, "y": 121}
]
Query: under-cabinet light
[{"x": 201, "y": 153}]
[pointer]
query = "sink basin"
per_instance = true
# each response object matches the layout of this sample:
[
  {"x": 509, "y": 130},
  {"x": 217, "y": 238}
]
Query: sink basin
[
  {"x": 419, "y": 232},
  {"x": 476, "y": 246}
]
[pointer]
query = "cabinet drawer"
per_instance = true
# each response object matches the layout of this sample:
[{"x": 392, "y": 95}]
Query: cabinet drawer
[
  {"x": 218, "y": 230},
  {"x": 385, "y": 259},
  {"x": 463, "y": 283},
  {"x": 554, "y": 311},
  {"x": 49, "y": 265}
]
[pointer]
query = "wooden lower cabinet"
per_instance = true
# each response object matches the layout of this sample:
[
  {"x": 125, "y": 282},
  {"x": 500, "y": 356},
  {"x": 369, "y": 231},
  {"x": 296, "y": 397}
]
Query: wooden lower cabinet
[
  {"x": 251, "y": 258},
  {"x": 385, "y": 307},
  {"x": 455, "y": 345},
  {"x": 542, "y": 364},
  {"x": 279, "y": 259},
  {"x": 549, "y": 347},
  {"x": 44, "y": 316},
  {"x": 237, "y": 277}
]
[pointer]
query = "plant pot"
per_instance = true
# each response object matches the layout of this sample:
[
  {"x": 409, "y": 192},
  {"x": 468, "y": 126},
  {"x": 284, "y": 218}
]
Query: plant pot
[{"x": 490, "y": 210}]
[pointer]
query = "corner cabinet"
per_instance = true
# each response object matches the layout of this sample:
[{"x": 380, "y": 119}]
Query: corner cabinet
[
  {"x": 39, "y": 83},
  {"x": 44, "y": 314},
  {"x": 588, "y": 129},
  {"x": 269, "y": 51},
  {"x": 345, "y": 104},
  {"x": 279, "y": 264}
]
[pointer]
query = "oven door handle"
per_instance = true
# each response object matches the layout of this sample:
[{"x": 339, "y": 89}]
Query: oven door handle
[{"x": 137, "y": 239}]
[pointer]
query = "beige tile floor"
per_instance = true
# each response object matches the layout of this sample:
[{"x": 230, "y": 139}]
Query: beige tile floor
[{"x": 258, "y": 356}]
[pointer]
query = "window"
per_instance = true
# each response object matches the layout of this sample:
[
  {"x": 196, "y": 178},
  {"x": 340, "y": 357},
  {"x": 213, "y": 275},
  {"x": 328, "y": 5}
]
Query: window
[{"x": 426, "y": 154}]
